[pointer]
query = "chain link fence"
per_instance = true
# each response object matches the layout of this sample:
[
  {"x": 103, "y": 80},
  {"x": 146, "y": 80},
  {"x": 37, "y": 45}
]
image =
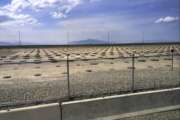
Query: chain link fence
[{"x": 34, "y": 76}]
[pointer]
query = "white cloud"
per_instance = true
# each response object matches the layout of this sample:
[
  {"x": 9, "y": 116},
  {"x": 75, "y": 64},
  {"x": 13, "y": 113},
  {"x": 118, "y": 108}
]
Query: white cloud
[
  {"x": 58, "y": 15},
  {"x": 59, "y": 6},
  {"x": 28, "y": 13},
  {"x": 16, "y": 19},
  {"x": 22, "y": 12},
  {"x": 64, "y": 8},
  {"x": 167, "y": 19},
  {"x": 16, "y": 5}
]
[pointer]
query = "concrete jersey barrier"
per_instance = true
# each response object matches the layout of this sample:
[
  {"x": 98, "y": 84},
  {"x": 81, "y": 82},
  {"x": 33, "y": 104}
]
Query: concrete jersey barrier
[
  {"x": 98, "y": 107},
  {"x": 120, "y": 104},
  {"x": 40, "y": 112}
]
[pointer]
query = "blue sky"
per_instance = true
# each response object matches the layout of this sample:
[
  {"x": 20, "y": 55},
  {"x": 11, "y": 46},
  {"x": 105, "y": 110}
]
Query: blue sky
[{"x": 49, "y": 21}]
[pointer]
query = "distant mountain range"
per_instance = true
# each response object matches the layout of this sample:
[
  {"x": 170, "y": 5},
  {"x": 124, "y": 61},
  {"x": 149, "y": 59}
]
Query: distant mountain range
[
  {"x": 88, "y": 41},
  {"x": 80, "y": 42},
  {"x": 6, "y": 43},
  {"x": 14, "y": 43}
]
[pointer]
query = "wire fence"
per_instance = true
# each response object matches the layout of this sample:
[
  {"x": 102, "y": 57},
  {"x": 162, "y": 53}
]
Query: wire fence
[
  {"x": 70, "y": 79},
  {"x": 124, "y": 75}
]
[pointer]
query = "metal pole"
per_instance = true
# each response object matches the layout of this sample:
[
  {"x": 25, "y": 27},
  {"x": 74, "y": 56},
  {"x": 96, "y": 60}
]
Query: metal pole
[
  {"x": 172, "y": 59},
  {"x": 68, "y": 76},
  {"x": 133, "y": 67},
  {"x": 67, "y": 38},
  {"x": 108, "y": 37},
  {"x": 60, "y": 108},
  {"x": 143, "y": 42},
  {"x": 19, "y": 38},
  {"x": 154, "y": 84}
]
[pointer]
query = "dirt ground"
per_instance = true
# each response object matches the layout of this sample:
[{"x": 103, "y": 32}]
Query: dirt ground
[
  {"x": 6, "y": 52},
  {"x": 36, "y": 74}
]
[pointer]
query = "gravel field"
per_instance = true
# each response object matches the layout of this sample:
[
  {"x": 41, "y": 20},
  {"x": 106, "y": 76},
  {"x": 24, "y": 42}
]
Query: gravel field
[
  {"x": 85, "y": 81},
  {"x": 22, "y": 82}
]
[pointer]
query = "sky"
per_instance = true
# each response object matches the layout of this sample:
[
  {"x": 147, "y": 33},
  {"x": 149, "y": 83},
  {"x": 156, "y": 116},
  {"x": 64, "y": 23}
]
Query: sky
[{"x": 63, "y": 21}]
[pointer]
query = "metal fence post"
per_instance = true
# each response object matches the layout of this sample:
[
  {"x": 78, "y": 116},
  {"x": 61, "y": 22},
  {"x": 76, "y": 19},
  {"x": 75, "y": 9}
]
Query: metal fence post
[
  {"x": 61, "y": 110},
  {"x": 68, "y": 76},
  {"x": 133, "y": 67},
  {"x": 172, "y": 59}
]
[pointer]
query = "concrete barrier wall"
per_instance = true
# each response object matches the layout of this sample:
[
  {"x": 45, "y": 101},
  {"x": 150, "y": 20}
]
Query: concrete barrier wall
[
  {"x": 97, "y": 108},
  {"x": 40, "y": 112},
  {"x": 115, "y": 105}
]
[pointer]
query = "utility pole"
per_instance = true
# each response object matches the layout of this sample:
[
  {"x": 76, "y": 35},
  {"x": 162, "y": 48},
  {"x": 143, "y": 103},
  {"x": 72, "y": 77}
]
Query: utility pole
[
  {"x": 143, "y": 43},
  {"x": 67, "y": 35},
  {"x": 108, "y": 38},
  {"x": 67, "y": 44},
  {"x": 19, "y": 38}
]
